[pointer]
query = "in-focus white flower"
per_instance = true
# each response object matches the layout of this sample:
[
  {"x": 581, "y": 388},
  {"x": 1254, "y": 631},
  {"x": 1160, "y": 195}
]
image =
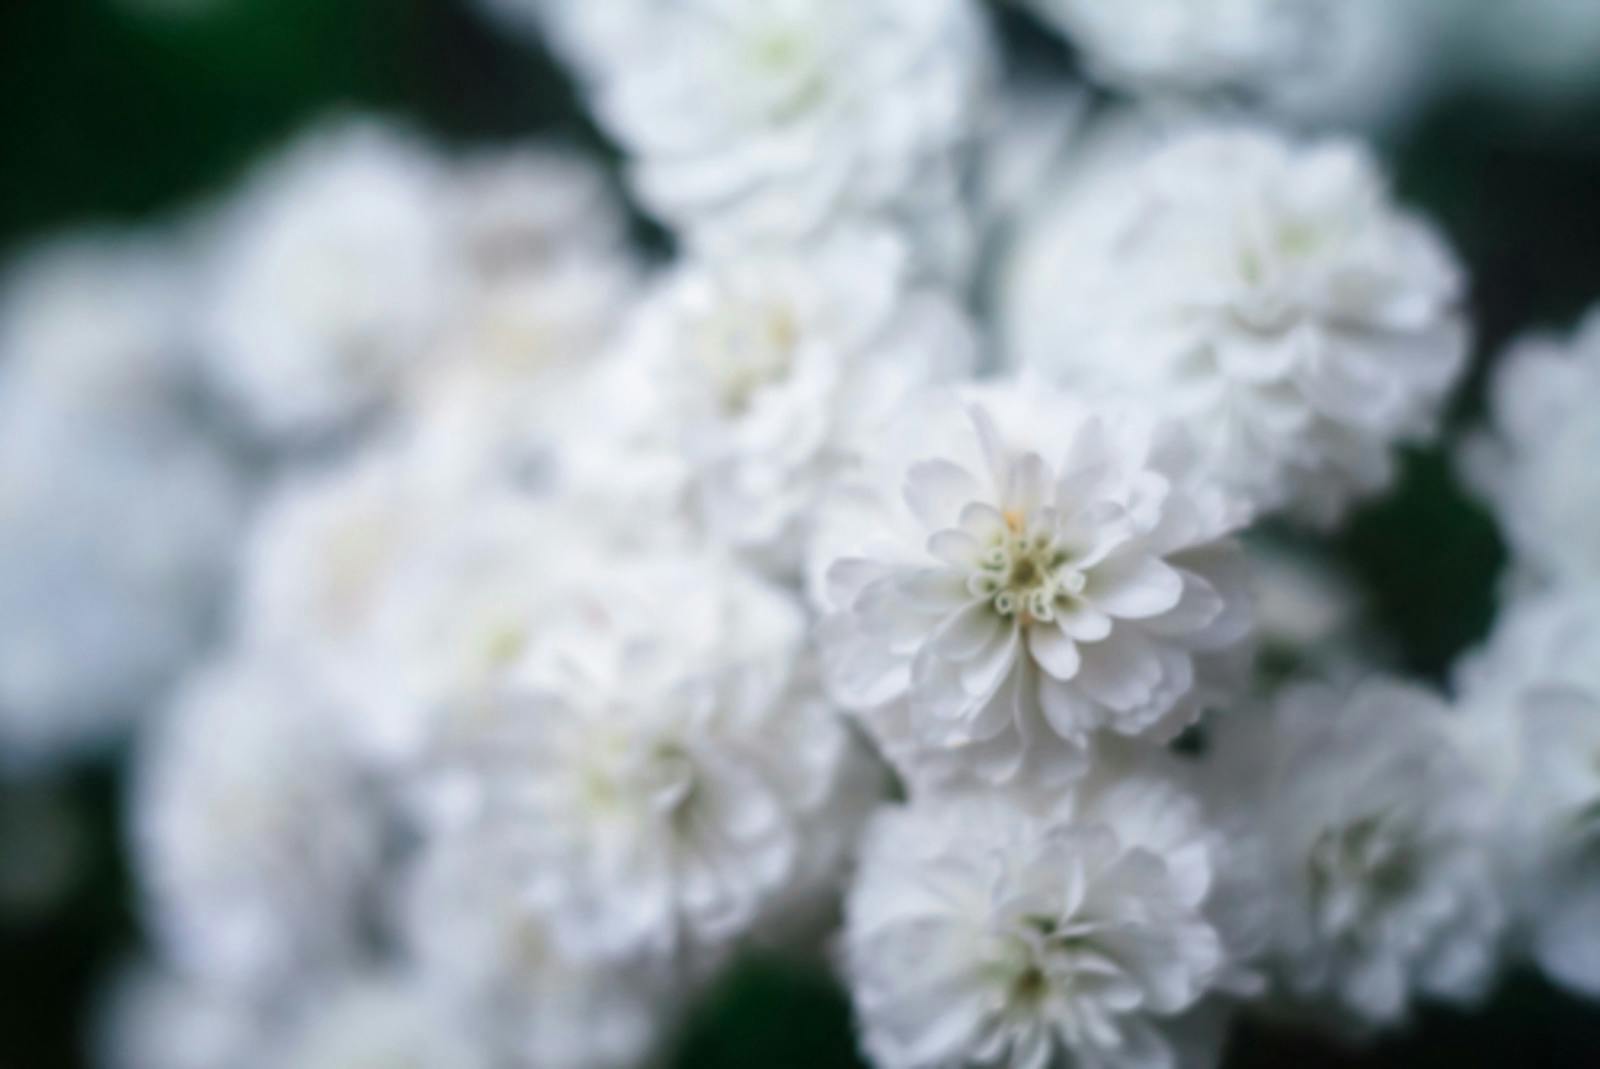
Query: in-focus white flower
[
  {"x": 469, "y": 931},
  {"x": 1181, "y": 46},
  {"x": 1531, "y": 699},
  {"x": 770, "y": 119},
  {"x": 1365, "y": 837},
  {"x": 254, "y": 839},
  {"x": 1267, "y": 294},
  {"x": 1012, "y": 573},
  {"x": 1537, "y": 467},
  {"x": 768, "y": 374},
  {"x": 659, "y": 765},
  {"x": 152, "y": 1018},
  {"x": 332, "y": 273},
  {"x": 984, "y": 930},
  {"x": 117, "y": 514}
]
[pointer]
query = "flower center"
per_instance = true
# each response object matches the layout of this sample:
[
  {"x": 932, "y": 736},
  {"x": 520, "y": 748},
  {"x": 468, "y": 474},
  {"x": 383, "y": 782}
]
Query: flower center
[
  {"x": 1045, "y": 954},
  {"x": 1026, "y": 574},
  {"x": 743, "y": 348},
  {"x": 785, "y": 62},
  {"x": 1367, "y": 864}
]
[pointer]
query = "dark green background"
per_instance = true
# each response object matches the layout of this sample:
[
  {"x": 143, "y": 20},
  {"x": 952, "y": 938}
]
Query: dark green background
[{"x": 105, "y": 115}]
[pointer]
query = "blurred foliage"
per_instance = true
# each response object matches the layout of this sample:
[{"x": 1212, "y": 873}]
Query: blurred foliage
[{"x": 116, "y": 110}]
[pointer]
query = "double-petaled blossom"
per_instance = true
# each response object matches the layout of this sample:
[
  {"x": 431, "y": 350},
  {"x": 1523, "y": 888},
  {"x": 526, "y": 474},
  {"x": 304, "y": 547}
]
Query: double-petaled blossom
[
  {"x": 257, "y": 841},
  {"x": 764, "y": 120},
  {"x": 991, "y": 929},
  {"x": 495, "y": 966},
  {"x": 656, "y": 760},
  {"x": 1364, "y": 833},
  {"x": 1268, "y": 294},
  {"x": 331, "y": 275},
  {"x": 765, "y": 376},
  {"x": 1012, "y": 573}
]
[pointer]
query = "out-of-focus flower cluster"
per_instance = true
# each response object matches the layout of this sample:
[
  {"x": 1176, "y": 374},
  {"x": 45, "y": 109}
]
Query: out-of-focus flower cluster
[{"x": 513, "y": 629}]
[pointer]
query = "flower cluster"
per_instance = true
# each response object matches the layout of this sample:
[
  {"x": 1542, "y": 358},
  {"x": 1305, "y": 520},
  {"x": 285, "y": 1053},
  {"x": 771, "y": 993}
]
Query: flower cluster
[{"x": 883, "y": 567}]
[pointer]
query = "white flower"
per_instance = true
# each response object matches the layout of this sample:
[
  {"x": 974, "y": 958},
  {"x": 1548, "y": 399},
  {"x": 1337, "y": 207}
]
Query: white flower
[
  {"x": 1181, "y": 46},
  {"x": 982, "y": 930},
  {"x": 97, "y": 322},
  {"x": 769, "y": 119},
  {"x": 768, "y": 374},
  {"x": 545, "y": 245},
  {"x": 548, "y": 266},
  {"x": 1267, "y": 294},
  {"x": 657, "y": 762},
  {"x": 1373, "y": 877},
  {"x": 323, "y": 559},
  {"x": 254, "y": 839},
  {"x": 469, "y": 930},
  {"x": 377, "y": 1020},
  {"x": 332, "y": 274},
  {"x": 1013, "y": 573},
  {"x": 1537, "y": 468},
  {"x": 1532, "y": 702},
  {"x": 117, "y": 517},
  {"x": 457, "y": 610}
]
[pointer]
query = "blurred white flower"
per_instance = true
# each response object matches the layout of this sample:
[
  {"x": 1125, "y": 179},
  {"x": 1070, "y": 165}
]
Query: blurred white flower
[
  {"x": 332, "y": 272},
  {"x": 1536, "y": 467},
  {"x": 1365, "y": 837},
  {"x": 454, "y": 616},
  {"x": 1012, "y": 573},
  {"x": 658, "y": 764},
  {"x": 322, "y": 561},
  {"x": 987, "y": 930},
  {"x": 96, "y": 322},
  {"x": 1269, "y": 295},
  {"x": 255, "y": 841},
  {"x": 768, "y": 374},
  {"x": 549, "y": 270},
  {"x": 471, "y": 935},
  {"x": 771, "y": 119},
  {"x": 377, "y": 1020},
  {"x": 152, "y": 1018},
  {"x": 1531, "y": 699},
  {"x": 1180, "y": 46},
  {"x": 116, "y": 513}
]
